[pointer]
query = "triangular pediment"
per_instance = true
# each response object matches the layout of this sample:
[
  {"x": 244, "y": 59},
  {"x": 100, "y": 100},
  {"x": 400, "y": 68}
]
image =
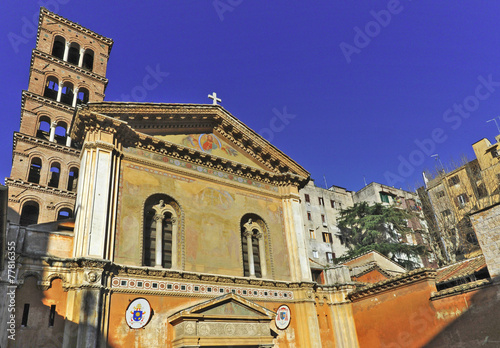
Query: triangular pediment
[
  {"x": 207, "y": 132},
  {"x": 214, "y": 144},
  {"x": 227, "y": 307}
]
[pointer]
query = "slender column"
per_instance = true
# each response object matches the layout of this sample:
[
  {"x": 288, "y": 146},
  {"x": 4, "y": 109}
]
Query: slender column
[
  {"x": 160, "y": 210},
  {"x": 80, "y": 61},
  {"x": 66, "y": 51},
  {"x": 158, "y": 252},
  {"x": 59, "y": 92},
  {"x": 251, "y": 266},
  {"x": 75, "y": 97},
  {"x": 174, "y": 242},
  {"x": 262, "y": 254},
  {"x": 52, "y": 133},
  {"x": 68, "y": 140}
]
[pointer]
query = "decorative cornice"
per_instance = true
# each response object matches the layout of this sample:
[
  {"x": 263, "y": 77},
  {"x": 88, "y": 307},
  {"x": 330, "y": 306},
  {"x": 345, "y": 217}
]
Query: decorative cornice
[
  {"x": 39, "y": 188},
  {"x": 45, "y": 101},
  {"x": 75, "y": 26},
  {"x": 63, "y": 64},
  {"x": 389, "y": 284},
  {"x": 90, "y": 118},
  {"x": 43, "y": 143}
]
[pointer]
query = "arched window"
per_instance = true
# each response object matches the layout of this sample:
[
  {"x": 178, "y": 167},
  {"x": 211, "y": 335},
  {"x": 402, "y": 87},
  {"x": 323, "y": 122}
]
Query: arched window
[
  {"x": 55, "y": 171},
  {"x": 88, "y": 60},
  {"x": 74, "y": 53},
  {"x": 43, "y": 128},
  {"x": 73, "y": 179},
  {"x": 160, "y": 231},
  {"x": 64, "y": 213},
  {"x": 35, "y": 168},
  {"x": 51, "y": 88},
  {"x": 29, "y": 213},
  {"x": 67, "y": 93},
  {"x": 60, "y": 136},
  {"x": 83, "y": 96},
  {"x": 253, "y": 231},
  {"x": 58, "y": 47}
]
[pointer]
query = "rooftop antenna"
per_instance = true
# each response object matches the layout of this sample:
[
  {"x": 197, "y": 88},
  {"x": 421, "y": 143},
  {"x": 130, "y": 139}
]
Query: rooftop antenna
[
  {"x": 498, "y": 128},
  {"x": 364, "y": 180},
  {"x": 436, "y": 157},
  {"x": 326, "y": 185}
]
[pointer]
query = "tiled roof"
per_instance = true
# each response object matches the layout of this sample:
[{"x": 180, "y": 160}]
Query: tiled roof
[{"x": 460, "y": 269}]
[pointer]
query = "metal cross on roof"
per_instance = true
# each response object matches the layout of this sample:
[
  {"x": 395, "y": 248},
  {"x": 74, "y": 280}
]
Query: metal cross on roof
[{"x": 214, "y": 97}]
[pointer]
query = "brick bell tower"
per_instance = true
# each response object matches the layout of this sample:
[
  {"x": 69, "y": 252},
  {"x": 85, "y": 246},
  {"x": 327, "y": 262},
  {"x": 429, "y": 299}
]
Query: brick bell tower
[{"x": 68, "y": 67}]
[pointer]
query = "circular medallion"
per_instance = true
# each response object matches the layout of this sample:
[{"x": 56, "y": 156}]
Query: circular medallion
[
  {"x": 138, "y": 313},
  {"x": 283, "y": 317}
]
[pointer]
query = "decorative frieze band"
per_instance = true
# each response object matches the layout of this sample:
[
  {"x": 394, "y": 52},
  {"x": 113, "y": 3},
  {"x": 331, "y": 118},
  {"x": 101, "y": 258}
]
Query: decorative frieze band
[{"x": 188, "y": 288}]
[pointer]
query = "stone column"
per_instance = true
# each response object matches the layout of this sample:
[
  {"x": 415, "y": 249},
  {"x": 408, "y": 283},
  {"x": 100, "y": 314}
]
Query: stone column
[
  {"x": 160, "y": 210},
  {"x": 158, "y": 247},
  {"x": 66, "y": 52},
  {"x": 52, "y": 133},
  {"x": 174, "y": 243},
  {"x": 80, "y": 61},
  {"x": 262, "y": 254},
  {"x": 75, "y": 97},
  {"x": 59, "y": 92},
  {"x": 68, "y": 140},
  {"x": 251, "y": 266}
]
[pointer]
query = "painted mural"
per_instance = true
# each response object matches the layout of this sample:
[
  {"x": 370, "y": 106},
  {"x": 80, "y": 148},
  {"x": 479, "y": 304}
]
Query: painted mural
[{"x": 210, "y": 143}]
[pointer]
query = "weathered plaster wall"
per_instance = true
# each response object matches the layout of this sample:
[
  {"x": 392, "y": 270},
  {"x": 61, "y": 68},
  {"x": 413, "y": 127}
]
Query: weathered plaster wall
[
  {"x": 487, "y": 226},
  {"x": 405, "y": 316},
  {"x": 159, "y": 333},
  {"x": 211, "y": 213}
]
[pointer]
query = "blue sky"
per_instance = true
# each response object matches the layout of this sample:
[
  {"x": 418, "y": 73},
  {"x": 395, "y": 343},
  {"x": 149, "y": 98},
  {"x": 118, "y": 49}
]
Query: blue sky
[{"x": 347, "y": 89}]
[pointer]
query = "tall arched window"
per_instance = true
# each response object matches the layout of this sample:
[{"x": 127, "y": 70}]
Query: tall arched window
[
  {"x": 160, "y": 231},
  {"x": 67, "y": 93},
  {"x": 35, "y": 168},
  {"x": 60, "y": 133},
  {"x": 51, "y": 88},
  {"x": 253, "y": 231},
  {"x": 29, "y": 213},
  {"x": 88, "y": 59},
  {"x": 58, "y": 47},
  {"x": 73, "y": 179},
  {"x": 64, "y": 213},
  {"x": 74, "y": 53},
  {"x": 55, "y": 171},
  {"x": 83, "y": 96},
  {"x": 43, "y": 128}
]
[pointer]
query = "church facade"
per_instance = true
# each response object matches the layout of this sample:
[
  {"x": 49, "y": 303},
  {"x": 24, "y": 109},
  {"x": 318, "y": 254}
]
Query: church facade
[{"x": 188, "y": 229}]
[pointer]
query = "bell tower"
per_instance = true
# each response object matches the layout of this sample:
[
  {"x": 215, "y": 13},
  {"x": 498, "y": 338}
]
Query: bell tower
[{"x": 68, "y": 68}]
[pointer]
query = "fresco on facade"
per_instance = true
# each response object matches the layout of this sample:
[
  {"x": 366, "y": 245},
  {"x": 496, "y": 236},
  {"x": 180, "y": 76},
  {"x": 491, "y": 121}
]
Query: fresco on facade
[{"x": 211, "y": 144}]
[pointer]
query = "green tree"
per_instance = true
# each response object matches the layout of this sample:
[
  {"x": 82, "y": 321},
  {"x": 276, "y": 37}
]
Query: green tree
[{"x": 378, "y": 227}]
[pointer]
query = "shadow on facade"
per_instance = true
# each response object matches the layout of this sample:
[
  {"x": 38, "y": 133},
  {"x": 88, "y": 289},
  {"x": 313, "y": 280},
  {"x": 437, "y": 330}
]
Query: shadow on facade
[
  {"x": 48, "y": 311},
  {"x": 478, "y": 326}
]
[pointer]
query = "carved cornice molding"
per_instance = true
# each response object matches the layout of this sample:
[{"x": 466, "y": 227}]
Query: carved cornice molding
[
  {"x": 46, "y": 13},
  {"x": 43, "y": 143},
  {"x": 415, "y": 276},
  {"x": 39, "y": 188},
  {"x": 89, "y": 120},
  {"x": 45, "y": 101},
  {"x": 63, "y": 64},
  {"x": 183, "y": 117}
]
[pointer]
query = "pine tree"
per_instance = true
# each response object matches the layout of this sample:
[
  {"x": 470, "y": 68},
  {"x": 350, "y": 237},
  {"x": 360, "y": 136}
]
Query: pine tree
[{"x": 381, "y": 228}]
